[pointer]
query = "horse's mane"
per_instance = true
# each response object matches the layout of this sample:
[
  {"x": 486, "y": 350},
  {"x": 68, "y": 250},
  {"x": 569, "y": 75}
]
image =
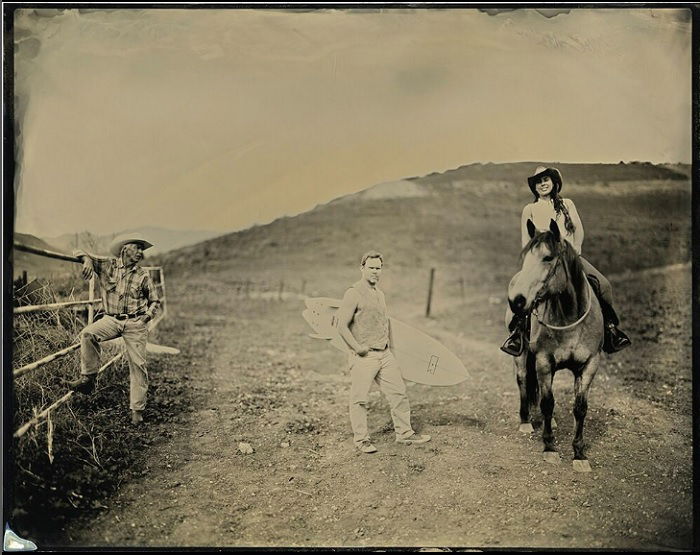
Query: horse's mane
[{"x": 570, "y": 258}]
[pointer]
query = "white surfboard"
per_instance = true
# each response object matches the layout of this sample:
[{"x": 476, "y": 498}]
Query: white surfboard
[{"x": 422, "y": 359}]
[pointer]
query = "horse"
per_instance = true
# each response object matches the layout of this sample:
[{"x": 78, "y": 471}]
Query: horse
[{"x": 553, "y": 291}]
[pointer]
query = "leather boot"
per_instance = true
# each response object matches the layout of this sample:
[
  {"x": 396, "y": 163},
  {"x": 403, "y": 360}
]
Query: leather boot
[
  {"x": 84, "y": 384},
  {"x": 615, "y": 339},
  {"x": 515, "y": 344}
]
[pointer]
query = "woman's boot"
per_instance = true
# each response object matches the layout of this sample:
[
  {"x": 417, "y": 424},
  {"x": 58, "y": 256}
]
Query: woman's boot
[{"x": 615, "y": 339}]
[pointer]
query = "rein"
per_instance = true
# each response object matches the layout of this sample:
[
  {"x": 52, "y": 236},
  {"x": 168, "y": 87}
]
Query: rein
[
  {"x": 539, "y": 298},
  {"x": 577, "y": 322}
]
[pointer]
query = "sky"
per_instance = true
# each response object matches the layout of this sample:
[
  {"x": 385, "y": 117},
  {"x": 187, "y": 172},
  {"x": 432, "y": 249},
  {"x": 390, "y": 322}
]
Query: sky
[{"x": 225, "y": 118}]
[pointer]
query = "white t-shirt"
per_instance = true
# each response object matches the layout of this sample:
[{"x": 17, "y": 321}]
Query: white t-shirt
[{"x": 542, "y": 211}]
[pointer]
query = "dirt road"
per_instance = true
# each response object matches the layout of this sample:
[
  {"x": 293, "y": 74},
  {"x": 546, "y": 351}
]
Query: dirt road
[{"x": 478, "y": 483}]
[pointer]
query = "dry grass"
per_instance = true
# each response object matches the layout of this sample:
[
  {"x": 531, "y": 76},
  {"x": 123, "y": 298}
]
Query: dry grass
[{"x": 70, "y": 463}]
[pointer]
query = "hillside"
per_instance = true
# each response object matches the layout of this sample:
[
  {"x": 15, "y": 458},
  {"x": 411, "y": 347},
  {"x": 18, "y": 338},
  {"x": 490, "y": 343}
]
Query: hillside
[
  {"x": 475, "y": 225},
  {"x": 571, "y": 173}
]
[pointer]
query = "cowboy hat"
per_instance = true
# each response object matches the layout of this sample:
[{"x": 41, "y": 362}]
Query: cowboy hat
[
  {"x": 543, "y": 171},
  {"x": 119, "y": 241}
]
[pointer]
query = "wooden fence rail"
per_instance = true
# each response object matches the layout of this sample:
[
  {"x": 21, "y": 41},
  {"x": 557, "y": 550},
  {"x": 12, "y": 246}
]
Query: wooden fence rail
[
  {"x": 90, "y": 302},
  {"x": 39, "y": 307},
  {"x": 46, "y": 253},
  {"x": 50, "y": 358},
  {"x": 43, "y": 414}
]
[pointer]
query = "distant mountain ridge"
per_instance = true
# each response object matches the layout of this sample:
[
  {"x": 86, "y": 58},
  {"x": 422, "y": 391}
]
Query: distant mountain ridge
[
  {"x": 517, "y": 172},
  {"x": 163, "y": 239},
  {"x": 483, "y": 177}
]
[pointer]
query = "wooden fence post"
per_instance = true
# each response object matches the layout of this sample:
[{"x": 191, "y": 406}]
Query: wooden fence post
[
  {"x": 91, "y": 297},
  {"x": 164, "y": 302},
  {"x": 430, "y": 292},
  {"x": 279, "y": 296}
]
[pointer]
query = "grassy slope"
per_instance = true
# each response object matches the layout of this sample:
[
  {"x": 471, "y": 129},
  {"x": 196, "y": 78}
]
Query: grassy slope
[
  {"x": 571, "y": 173},
  {"x": 460, "y": 229}
]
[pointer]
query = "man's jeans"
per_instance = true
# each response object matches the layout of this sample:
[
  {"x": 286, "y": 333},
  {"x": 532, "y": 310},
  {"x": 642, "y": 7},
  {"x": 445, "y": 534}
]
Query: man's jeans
[
  {"x": 379, "y": 367},
  {"x": 134, "y": 333}
]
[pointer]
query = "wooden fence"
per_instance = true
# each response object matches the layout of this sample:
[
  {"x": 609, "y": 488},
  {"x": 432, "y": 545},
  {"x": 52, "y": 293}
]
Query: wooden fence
[{"x": 90, "y": 302}]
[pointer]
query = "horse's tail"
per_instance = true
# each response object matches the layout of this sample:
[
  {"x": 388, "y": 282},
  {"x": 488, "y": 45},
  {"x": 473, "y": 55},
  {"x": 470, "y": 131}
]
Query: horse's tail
[{"x": 532, "y": 386}]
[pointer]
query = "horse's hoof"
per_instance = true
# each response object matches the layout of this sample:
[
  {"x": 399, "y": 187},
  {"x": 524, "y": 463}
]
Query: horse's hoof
[
  {"x": 526, "y": 428},
  {"x": 552, "y": 457},
  {"x": 582, "y": 465}
]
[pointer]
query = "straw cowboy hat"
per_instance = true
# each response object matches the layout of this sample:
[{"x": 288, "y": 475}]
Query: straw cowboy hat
[
  {"x": 542, "y": 171},
  {"x": 119, "y": 241}
]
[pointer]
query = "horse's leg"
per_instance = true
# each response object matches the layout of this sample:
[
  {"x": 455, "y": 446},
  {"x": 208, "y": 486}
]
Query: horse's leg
[
  {"x": 520, "y": 365},
  {"x": 582, "y": 384},
  {"x": 545, "y": 376},
  {"x": 521, "y": 378}
]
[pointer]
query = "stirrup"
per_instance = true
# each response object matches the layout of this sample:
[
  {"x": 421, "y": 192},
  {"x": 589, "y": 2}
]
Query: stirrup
[{"x": 512, "y": 347}]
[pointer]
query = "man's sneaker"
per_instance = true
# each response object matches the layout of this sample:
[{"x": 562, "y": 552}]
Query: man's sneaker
[
  {"x": 415, "y": 438},
  {"x": 84, "y": 384},
  {"x": 136, "y": 417},
  {"x": 367, "y": 447}
]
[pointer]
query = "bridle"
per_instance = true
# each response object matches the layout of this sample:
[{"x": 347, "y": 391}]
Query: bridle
[{"x": 542, "y": 296}]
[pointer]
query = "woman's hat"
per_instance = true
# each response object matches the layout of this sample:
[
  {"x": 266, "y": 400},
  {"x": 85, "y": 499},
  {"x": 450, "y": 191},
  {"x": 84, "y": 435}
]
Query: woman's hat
[
  {"x": 118, "y": 242},
  {"x": 542, "y": 171}
]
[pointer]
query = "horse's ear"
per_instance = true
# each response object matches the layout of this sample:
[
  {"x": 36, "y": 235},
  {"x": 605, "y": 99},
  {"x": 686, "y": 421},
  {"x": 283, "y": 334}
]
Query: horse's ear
[
  {"x": 554, "y": 228},
  {"x": 530, "y": 228}
]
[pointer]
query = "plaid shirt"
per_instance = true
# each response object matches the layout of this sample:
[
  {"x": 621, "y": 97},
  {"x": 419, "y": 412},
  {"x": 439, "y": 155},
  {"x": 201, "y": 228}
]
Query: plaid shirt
[{"x": 123, "y": 291}]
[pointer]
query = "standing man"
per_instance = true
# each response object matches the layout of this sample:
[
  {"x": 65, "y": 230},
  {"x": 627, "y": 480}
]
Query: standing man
[
  {"x": 364, "y": 325},
  {"x": 130, "y": 301}
]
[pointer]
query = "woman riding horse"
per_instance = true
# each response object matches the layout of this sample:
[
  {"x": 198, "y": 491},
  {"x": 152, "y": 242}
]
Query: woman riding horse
[
  {"x": 546, "y": 185},
  {"x": 567, "y": 332}
]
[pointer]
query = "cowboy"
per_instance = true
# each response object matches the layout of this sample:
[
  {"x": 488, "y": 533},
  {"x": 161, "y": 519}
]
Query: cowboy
[
  {"x": 129, "y": 301},
  {"x": 364, "y": 325},
  {"x": 545, "y": 185}
]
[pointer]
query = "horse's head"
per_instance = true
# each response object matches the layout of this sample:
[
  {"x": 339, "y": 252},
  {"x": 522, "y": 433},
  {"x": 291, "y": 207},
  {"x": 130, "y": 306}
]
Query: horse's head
[{"x": 544, "y": 268}]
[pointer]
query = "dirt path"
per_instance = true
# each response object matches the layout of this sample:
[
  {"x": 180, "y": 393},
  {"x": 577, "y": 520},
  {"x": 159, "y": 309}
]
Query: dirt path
[{"x": 478, "y": 483}]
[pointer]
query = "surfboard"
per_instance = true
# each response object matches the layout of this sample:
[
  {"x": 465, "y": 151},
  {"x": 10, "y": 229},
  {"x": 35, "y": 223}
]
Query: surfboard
[{"x": 422, "y": 359}]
